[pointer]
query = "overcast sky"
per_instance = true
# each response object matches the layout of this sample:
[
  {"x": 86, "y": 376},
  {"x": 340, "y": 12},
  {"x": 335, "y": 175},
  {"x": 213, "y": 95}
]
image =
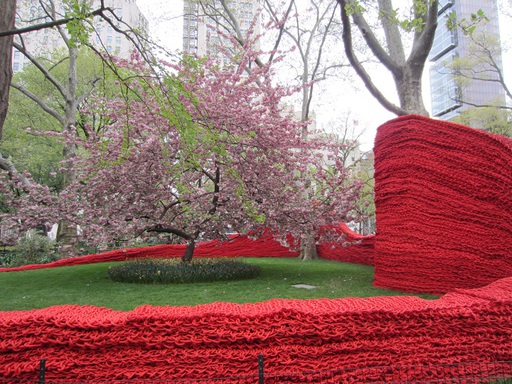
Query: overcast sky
[{"x": 165, "y": 23}]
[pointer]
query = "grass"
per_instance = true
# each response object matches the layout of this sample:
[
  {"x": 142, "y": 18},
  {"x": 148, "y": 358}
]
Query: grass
[{"x": 89, "y": 285}]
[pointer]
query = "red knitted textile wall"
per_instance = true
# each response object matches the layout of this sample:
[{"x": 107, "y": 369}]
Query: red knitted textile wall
[
  {"x": 355, "y": 249},
  {"x": 224, "y": 339},
  {"x": 443, "y": 196}
]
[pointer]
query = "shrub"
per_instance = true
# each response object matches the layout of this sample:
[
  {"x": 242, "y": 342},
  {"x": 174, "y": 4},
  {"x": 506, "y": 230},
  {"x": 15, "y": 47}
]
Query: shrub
[
  {"x": 34, "y": 248},
  {"x": 7, "y": 256},
  {"x": 166, "y": 271}
]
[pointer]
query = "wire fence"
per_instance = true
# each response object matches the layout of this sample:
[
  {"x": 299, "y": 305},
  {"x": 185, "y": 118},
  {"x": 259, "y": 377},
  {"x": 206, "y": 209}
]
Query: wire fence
[{"x": 467, "y": 373}]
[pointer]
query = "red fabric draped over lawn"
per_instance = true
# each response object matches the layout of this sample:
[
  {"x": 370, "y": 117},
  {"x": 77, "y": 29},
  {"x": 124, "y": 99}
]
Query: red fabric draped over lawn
[{"x": 352, "y": 248}]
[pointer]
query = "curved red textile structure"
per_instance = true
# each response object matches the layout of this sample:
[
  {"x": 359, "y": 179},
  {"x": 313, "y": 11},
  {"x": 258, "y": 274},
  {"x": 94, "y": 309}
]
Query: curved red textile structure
[
  {"x": 223, "y": 339},
  {"x": 443, "y": 197}
]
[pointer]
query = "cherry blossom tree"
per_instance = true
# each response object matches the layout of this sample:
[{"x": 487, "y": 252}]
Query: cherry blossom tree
[
  {"x": 213, "y": 148},
  {"x": 24, "y": 205}
]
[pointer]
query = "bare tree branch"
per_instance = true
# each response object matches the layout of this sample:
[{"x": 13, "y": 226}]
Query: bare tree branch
[
  {"x": 62, "y": 90},
  {"x": 49, "y": 24},
  {"x": 39, "y": 102},
  {"x": 7, "y": 165}
]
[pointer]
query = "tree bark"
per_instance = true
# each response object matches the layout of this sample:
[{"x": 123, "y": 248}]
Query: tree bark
[
  {"x": 189, "y": 251},
  {"x": 7, "y": 17},
  {"x": 308, "y": 247},
  {"x": 406, "y": 73}
]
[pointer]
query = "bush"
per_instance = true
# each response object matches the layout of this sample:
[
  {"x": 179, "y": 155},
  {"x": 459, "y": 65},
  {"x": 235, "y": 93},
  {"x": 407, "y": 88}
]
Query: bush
[
  {"x": 172, "y": 271},
  {"x": 34, "y": 248},
  {"x": 7, "y": 256}
]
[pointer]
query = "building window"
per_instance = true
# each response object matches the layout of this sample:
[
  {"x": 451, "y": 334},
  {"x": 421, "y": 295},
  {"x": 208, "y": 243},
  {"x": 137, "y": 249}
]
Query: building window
[
  {"x": 443, "y": 5},
  {"x": 118, "y": 40},
  {"x": 16, "y": 54},
  {"x": 15, "y": 66},
  {"x": 444, "y": 40}
]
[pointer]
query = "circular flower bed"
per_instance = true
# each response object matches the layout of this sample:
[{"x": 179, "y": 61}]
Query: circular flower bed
[{"x": 173, "y": 271}]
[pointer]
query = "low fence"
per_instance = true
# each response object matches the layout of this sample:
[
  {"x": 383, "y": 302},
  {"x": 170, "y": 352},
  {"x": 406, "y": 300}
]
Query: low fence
[{"x": 474, "y": 372}]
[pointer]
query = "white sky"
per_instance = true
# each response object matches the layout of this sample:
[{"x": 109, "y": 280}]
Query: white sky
[{"x": 165, "y": 23}]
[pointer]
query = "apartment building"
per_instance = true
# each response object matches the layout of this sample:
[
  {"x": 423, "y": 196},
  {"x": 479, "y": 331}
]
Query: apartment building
[
  {"x": 200, "y": 24},
  {"x": 104, "y": 37}
]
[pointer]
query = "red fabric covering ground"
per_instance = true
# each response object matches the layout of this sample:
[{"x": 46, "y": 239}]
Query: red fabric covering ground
[
  {"x": 355, "y": 249},
  {"x": 443, "y": 196},
  {"x": 352, "y": 248},
  {"x": 238, "y": 246},
  {"x": 224, "y": 339}
]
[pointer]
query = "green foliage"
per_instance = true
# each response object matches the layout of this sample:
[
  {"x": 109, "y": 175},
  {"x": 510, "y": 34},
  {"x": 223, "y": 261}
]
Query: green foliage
[
  {"x": 24, "y": 137},
  {"x": 467, "y": 26},
  {"x": 407, "y": 22},
  {"x": 7, "y": 256},
  {"x": 80, "y": 27},
  {"x": 354, "y": 7},
  {"x": 490, "y": 119},
  {"x": 164, "y": 271},
  {"x": 34, "y": 248}
]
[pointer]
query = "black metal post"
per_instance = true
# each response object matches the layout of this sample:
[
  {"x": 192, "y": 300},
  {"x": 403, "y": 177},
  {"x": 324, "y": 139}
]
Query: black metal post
[
  {"x": 42, "y": 370},
  {"x": 261, "y": 369}
]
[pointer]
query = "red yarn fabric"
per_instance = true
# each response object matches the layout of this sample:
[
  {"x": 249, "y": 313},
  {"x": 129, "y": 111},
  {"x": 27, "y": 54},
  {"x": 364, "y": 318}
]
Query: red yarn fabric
[
  {"x": 354, "y": 248},
  {"x": 91, "y": 344},
  {"x": 237, "y": 246},
  {"x": 443, "y": 196}
]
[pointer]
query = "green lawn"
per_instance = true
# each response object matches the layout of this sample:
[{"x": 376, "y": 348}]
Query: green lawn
[{"x": 88, "y": 284}]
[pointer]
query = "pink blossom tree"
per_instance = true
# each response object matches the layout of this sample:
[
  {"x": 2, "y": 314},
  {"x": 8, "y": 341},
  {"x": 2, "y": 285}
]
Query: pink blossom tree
[
  {"x": 206, "y": 147},
  {"x": 24, "y": 204}
]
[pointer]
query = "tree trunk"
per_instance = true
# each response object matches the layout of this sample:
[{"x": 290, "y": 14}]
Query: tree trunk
[
  {"x": 66, "y": 237},
  {"x": 189, "y": 252},
  {"x": 7, "y": 17},
  {"x": 66, "y": 232},
  {"x": 308, "y": 247},
  {"x": 408, "y": 86}
]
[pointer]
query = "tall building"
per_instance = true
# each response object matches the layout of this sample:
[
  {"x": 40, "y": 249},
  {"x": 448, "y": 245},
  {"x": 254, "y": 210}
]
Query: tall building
[
  {"x": 446, "y": 94},
  {"x": 48, "y": 39},
  {"x": 200, "y": 35}
]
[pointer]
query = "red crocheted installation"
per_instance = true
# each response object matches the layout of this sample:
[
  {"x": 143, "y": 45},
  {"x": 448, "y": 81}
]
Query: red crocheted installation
[
  {"x": 443, "y": 196},
  {"x": 351, "y": 248},
  {"x": 90, "y": 344},
  {"x": 237, "y": 246},
  {"x": 354, "y": 248}
]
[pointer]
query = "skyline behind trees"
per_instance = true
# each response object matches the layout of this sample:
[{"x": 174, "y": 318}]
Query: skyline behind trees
[{"x": 341, "y": 94}]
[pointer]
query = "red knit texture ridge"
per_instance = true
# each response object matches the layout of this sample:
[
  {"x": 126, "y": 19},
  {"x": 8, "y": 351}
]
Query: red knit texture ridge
[
  {"x": 91, "y": 344},
  {"x": 443, "y": 197}
]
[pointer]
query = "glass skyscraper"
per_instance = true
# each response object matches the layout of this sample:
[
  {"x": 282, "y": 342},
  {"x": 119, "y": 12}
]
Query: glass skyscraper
[{"x": 447, "y": 95}]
